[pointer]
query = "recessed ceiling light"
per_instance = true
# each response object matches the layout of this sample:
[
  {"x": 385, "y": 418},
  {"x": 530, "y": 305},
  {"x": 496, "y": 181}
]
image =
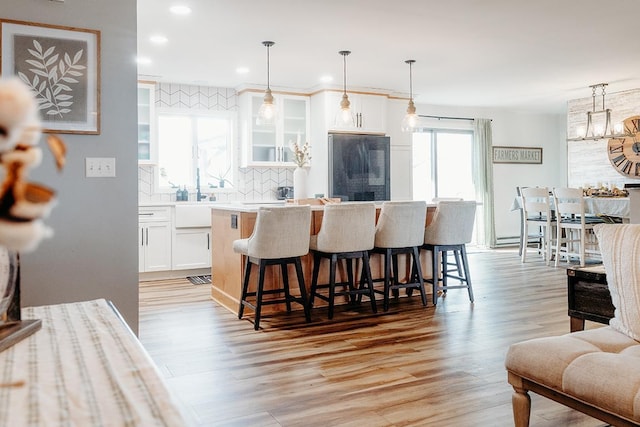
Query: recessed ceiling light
[
  {"x": 180, "y": 10},
  {"x": 143, "y": 60},
  {"x": 242, "y": 70},
  {"x": 326, "y": 79},
  {"x": 158, "y": 39}
]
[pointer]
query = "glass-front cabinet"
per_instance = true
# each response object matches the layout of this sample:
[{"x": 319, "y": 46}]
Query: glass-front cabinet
[
  {"x": 146, "y": 123},
  {"x": 269, "y": 145}
]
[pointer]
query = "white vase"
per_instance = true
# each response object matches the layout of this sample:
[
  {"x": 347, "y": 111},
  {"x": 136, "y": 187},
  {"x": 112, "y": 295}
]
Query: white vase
[{"x": 300, "y": 183}]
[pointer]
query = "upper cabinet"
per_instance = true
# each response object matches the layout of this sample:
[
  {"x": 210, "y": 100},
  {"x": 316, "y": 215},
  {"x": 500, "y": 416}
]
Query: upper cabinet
[
  {"x": 369, "y": 112},
  {"x": 146, "y": 123},
  {"x": 269, "y": 145}
]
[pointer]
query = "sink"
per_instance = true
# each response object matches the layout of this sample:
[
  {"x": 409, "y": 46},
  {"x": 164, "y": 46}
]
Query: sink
[{"x": 187, "y": 216}]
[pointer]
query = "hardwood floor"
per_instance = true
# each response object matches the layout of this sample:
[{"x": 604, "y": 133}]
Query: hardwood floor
[{"x": 413, "y": 366}]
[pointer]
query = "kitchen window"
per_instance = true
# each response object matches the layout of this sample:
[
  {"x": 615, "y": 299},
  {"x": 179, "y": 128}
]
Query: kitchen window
[{"x": 195, "y": 142}]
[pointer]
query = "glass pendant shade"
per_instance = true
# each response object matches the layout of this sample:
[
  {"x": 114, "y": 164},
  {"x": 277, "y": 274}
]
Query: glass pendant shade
[
  {"x": 344, "y": 117},
  {"x": 267, "y": 111},
  {"x": 410, "y": 120}
]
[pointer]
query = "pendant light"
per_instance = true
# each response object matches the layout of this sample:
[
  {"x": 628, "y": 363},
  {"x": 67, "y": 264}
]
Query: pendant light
[
  {"x": 267, "y": 111},
  {"x": 344, "y": 118},
  {"x": 410, "y": 120}
]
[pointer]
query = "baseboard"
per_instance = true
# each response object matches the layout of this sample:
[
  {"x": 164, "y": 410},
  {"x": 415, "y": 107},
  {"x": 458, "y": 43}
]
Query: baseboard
[{"x": 172, "y": 274}]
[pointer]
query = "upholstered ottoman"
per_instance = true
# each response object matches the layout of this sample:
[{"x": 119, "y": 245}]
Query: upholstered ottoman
[{"x": 595, "y": 371}]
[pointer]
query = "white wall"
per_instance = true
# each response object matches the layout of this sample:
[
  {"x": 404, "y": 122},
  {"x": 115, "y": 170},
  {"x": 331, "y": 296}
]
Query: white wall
[{"x": 94, "y": 251}]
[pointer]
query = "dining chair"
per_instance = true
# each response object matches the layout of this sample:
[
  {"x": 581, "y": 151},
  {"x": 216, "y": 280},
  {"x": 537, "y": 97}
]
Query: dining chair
[
  {"x": 347, "y": 233},
  {"x": 527, "y": 237},
  {"x": 400, "y": 230},
  {"x": 536, "y": 211},
  {"x": 575, "y": 237},
  {"x": 450, "y": 230},
  {"x": 280, "y": 237}
]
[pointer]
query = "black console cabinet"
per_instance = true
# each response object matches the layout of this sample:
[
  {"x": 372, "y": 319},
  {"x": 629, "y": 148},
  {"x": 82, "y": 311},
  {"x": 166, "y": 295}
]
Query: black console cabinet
[{"x": 589, "y": 297}]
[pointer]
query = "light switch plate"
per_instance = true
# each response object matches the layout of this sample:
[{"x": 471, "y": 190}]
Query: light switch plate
[{"x": 100, "y": 167}]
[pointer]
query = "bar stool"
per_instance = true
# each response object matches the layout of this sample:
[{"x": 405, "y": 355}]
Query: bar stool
[
  {"x": 450, "y": 230},
  {"x": 347, "y": 232},
  {"x": 280, "y": 237},
  {"x": 400, "y": 230}
]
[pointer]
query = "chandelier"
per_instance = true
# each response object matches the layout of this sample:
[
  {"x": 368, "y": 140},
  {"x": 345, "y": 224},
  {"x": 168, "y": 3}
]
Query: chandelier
[{"x": 602, "y": 128}]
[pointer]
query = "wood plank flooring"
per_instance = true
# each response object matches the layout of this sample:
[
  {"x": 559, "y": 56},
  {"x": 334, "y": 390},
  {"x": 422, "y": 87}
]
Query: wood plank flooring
[{"x": 413, "y": 366}]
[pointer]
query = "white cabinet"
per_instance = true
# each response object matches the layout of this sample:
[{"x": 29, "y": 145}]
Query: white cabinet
[
  {"x": 269, "y": 145},
  {"x": 154, "y": 239},
  {"x": 369, "y": 112},
  {"x": 191, "y": 248},
  {"x": 146, "y": 123}
]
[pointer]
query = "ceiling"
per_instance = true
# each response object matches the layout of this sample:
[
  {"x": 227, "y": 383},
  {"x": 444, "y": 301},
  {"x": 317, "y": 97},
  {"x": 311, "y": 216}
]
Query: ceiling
[{"x": 521, "y": 54}]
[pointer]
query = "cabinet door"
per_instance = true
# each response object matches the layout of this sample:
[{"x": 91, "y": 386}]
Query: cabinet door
[
  {"x": 142, "y": 230},
  {"x": 295, "y": 113},
  {"x": 263, "y": 137},
  {"x": 269, "y": 145},
  {"x": 146, "y": 123},
  {"x": 192, "y": 248},
  {"x": 371, "y": 113},
  {"x": 157, "y": 241}
]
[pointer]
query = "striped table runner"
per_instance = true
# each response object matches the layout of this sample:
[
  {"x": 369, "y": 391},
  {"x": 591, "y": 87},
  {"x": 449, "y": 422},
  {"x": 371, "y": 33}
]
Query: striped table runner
[{"x": 83, "y": 368}]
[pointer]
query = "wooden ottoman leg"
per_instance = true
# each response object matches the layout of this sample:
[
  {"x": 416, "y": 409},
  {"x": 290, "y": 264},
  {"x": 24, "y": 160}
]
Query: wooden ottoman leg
[{"x": 520, "y": 402}]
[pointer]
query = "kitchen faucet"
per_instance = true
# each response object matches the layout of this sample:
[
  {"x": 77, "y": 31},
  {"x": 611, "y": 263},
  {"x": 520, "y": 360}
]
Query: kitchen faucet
[{"x": 199, "y": 195}]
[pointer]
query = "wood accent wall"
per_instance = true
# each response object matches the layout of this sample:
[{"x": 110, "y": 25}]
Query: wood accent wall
[{"x": 588, "y": 163}]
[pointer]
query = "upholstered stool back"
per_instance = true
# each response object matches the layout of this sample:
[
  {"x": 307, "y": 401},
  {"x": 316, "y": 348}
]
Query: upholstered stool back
[
  {"x": 279, "y": 232},
  {"x": 401, "y": 224},
  {"x": 452, "y": 223},
  {"x": 346, "y": 227}
]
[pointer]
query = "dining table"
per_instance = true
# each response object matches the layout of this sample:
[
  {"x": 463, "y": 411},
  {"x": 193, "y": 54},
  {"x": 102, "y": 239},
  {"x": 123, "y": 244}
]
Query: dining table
[{"x": 595, "y": 205}]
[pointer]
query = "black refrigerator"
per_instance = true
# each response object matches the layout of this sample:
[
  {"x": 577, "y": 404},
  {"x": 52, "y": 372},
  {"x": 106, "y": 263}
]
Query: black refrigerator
[{"x": 359, "y": 167}]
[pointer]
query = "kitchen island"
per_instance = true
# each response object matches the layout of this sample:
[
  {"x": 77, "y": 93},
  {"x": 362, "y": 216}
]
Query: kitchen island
[{"x": 236, "y": 221}]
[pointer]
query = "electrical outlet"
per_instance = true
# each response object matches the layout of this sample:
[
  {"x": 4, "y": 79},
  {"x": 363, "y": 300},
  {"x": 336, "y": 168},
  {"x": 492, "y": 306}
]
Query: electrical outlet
[{"x": 100, "y": 167}]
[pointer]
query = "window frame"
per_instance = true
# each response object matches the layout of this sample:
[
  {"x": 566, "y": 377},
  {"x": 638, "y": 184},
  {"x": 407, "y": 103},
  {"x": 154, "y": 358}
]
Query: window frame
[{"x": 232, "y": 146}]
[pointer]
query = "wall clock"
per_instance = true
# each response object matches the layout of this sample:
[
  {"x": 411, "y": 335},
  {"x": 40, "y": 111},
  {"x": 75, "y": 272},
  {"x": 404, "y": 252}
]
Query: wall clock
[{"x": 624, "y": 153}]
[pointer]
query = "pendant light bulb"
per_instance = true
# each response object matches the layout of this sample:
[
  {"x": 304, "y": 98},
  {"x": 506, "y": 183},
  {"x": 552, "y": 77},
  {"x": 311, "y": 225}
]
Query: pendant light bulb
[
  {"x": 267, "y": 111},
  {"x": 410, "y": 120},
  {"x": 344, "y": 118}
]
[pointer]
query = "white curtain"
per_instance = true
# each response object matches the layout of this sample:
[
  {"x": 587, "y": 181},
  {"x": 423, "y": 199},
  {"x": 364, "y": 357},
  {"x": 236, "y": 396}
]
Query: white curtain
[{"x": 483, "y": 176}]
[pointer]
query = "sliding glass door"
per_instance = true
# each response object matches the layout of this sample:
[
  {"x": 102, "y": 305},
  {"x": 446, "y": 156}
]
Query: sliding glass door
[{"x": 443, "y": 165}]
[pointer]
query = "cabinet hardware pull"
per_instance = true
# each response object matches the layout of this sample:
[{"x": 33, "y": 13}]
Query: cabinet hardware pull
[
  {"x": 147, "y": 237},
  {"x": 142, "y": 237},
  {"x": 145, "y": 213},
  {"x": 208, "y": 242}
]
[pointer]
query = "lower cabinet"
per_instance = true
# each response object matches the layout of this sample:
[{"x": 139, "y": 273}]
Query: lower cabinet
[
  {"x": 154, "y": 246},
  {"x": 191, "y": 248}
]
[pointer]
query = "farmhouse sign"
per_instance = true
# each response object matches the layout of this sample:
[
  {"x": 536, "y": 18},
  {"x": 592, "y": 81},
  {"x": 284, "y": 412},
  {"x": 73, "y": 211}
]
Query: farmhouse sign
[{"x": 532, "y": 155}]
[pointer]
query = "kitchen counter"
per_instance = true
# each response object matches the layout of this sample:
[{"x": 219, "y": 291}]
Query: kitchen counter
[
  {"x": 230, "y": 221},
  {"x": 213, "y": 203}
]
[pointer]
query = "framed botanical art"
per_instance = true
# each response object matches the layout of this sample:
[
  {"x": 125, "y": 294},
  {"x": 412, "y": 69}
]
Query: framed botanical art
[{"x": 62, "y": 67}]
